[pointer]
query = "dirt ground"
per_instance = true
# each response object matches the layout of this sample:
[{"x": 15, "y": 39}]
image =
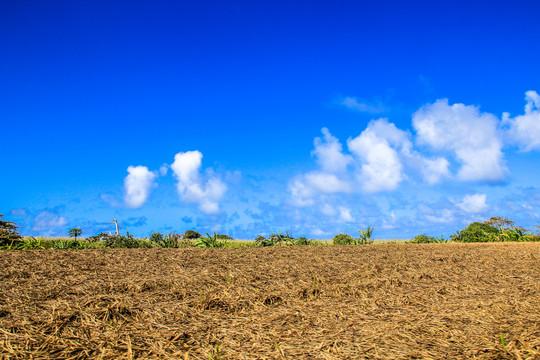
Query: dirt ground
[{"x": 391, "y": 301}]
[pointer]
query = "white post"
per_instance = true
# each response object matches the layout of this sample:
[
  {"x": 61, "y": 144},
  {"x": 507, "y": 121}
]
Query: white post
[{"x": 116, "y": 223}]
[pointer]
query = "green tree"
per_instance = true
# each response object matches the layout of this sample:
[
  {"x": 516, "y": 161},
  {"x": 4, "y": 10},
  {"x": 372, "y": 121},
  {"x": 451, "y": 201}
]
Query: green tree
[
  {"x": 8, "y": 232},
  {"x": 500, "y": 222},
  {"x": 365, "y": 235},
  {"x": 74, "y": 232}
]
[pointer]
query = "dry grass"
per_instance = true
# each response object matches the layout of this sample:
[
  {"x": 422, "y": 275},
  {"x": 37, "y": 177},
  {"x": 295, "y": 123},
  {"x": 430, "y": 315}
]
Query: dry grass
[{"x": 316, "y": 302}]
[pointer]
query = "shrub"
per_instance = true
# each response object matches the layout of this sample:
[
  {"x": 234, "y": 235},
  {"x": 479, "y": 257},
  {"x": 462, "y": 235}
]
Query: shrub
[
  {"x": 365, "y": 236},
  {"x": 476, "y": 232},
  {"x": 192, "y": 235},
  {"x": 64, "y": 244},
  {"x": 156, "y": 237},
  {"x": 343, "y": 239},
  {"x": 279, "y": 238},
  {"x": 302, "y": 241},
  {"x": 29, "y": 243},
  {"x": 97, "y": 238},
  {"x": 224, "y": 237},
  {"x": 126, "y": 242},
  {"x": 262, "y": 241},
  {"x": 8, "y": 233},
  {"x": 210, "y": 241},
  {"x": 423, "y": 239},
  {"x": 515, "y": 234},
  {"x": 173, "y": 240}
]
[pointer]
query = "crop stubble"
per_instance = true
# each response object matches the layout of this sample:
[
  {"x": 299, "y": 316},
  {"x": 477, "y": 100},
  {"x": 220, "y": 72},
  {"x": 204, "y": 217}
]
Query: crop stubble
[{"x": 315, "y": 302}]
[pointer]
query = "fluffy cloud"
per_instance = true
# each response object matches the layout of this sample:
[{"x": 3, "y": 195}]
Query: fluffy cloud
[
  {"x": 329, "y": 179},
  {"x": 138, "y": 185},
  {"x": 328, "y": 153},
  {"x": 473, "y": 203},
  {"x": 381, "y": 167},
  {"x": 376, "y": 163},
  {"x": 524, "y": 130},
  {"x": 470, "y": 135},
  {"x": 191, "y": 185}
]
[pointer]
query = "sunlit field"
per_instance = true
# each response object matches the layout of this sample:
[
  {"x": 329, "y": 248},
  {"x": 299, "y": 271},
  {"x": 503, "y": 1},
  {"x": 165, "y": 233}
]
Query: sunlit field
[{"x": 283, "y": 302}]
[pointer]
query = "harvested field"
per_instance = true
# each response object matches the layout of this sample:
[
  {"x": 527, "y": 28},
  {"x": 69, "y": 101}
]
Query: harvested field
[{"x": 473, "y": 301}]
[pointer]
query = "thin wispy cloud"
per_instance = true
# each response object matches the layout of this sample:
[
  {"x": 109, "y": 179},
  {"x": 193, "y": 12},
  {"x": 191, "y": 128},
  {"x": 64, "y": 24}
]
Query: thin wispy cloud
[
  {"x": 48, "y": 221},
  {"x": 376, "y": 107}
]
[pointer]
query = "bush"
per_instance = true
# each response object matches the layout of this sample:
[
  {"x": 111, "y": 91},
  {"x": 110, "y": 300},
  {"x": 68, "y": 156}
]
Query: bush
[
  {"x": 302, "y": 241},
  {"x": 156, "y": 237},
  {"x": 209, "y": 241},
  {"x": 262, "y": 241},
  {"x": 476, "y": 232},
  {"x": 224, "y": 237},
  {"x": 8, "y": 233},
  {"x": 365, "y": 236},
  {"x": 279, "y": 238},
  {"x": 423, "y": 239},
  {"x": 64, "y": 244},
  {"x": 192, "y": 235},
  {"x": 343, "y": 239},
  {"x": 124, "y": 242}
]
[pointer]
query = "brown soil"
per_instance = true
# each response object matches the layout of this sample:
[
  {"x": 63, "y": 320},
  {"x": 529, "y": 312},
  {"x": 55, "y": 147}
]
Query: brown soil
[{"x": 455, "y": 301}]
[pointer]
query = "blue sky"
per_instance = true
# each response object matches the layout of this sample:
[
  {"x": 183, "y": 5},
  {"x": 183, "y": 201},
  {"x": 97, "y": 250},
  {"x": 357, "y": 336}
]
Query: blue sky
[{"x": 254, "y": 117}]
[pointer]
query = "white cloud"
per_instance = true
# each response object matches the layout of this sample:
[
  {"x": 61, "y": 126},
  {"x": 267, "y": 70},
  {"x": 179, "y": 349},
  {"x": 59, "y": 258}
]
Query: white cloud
[
  {"x": 301, "y": 194},
  {"x": 137, "y": 186},
  {"x": 434, "y": 170},
  {"x": 326, "y": 183},
  {"x": 332, "y": 176},
  {"x": 46, "y": 221},
  {"x": 18, "y": 212},
  {"x": 471, "y": 135},
  {"x": 363, "y": 106},
  {"x": 524, "y": 130},
  {"x": 328, "y": 210},
  {"x": 473, "y": 203},
  {"x": 345, "y": 215},
  {"x": 164, "y": 169},
  {"x": 329, "y": 155},
  {"x": 381, "y": 166},
  {"x": 191, "y": 185}
]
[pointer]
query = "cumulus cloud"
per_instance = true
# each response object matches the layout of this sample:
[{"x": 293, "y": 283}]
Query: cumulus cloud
[
  {"x": 524, "y": 130},
  {"x": 381, "y": 167},
  {"x": 330, "y": 178},
  {"x": 434, "y": 170},
  {"x": 138, "y": 185},
  {"x": 375, "y": 163},
  {"x": 191, "y": 185},
  {"x": 470, "y": 135},
  {"x": 363, "y": 106},
  {"x": 473, "y": 203},
  {"x": 326, "y": 183},
  {"x": 47, "y": 221},
  {"x": 328, "y": 153}
]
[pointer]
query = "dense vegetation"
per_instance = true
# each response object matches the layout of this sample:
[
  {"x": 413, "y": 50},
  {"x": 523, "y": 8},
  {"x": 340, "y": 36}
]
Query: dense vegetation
[
  {"x": 8, "y": 232},
  {"x": 496, "y": 229}
]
